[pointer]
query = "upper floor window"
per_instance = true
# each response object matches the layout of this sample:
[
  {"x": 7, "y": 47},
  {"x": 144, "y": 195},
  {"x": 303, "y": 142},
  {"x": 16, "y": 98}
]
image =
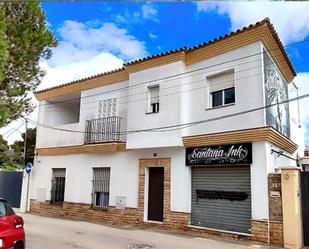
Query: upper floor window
[
  {"x": 100, "y": 195},
  {"x": 221, "y": 89},
  {"x": 223, "y": 97},
  {"x": 153, "y": 99}
]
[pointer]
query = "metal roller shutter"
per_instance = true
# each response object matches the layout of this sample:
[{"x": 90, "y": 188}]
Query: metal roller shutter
[{"x": 220, "y": 212}]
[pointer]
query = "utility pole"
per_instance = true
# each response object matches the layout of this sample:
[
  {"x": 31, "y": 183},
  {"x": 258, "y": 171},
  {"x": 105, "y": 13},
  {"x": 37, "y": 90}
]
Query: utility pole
[{"x": 24, "y": 162}]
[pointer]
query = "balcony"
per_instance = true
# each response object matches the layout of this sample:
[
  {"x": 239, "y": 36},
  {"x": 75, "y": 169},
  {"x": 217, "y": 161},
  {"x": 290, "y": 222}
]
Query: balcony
[{"x": 103, "y": 130}]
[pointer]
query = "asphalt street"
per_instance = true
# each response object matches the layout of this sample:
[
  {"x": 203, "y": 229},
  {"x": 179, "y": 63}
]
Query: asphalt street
[{"x": 54, "y": 233}]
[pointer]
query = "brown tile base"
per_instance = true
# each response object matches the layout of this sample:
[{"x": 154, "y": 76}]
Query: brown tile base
[{"x": 174, "y": 221}]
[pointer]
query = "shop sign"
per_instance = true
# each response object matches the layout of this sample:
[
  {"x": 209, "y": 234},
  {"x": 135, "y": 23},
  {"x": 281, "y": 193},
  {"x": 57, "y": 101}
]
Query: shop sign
[{"x": 219, "y": 155}]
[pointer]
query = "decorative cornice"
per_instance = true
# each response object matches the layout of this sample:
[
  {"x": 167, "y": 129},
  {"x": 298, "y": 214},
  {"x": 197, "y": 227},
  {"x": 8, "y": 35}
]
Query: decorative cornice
[
  {"x": 84, "y": 84},
  {"x": 268, "y": 134},
  {"x": 79, "y": 149},
  {"x": 261, "y": 31},
  {"x": 156, "y": 61}
]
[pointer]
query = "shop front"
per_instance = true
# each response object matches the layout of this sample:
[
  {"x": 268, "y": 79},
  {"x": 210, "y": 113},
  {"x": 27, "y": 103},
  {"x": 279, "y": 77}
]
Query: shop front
[{"x": 221, "y": 187}]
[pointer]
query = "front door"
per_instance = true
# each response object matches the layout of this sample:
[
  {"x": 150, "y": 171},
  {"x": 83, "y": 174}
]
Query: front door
[
  {"x": 305, "y": 205},
  {"x": 155, "y": 194}
]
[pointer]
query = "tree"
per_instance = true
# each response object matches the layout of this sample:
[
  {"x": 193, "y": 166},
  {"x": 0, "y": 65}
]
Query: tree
[
  {"x": 11, "y": 157},
  {"x": 24, "y": 40},
  {"x": 6, "y": 162},
  {"x": 18, "y": 147}
]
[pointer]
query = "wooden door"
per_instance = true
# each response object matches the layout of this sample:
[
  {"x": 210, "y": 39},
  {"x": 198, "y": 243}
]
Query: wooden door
[{"x": 155, "y": 194}]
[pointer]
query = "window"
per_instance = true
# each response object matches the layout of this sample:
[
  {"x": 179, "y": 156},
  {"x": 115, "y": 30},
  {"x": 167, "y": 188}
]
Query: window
[
  {"x": 100, "y": 193},
  {"x": 153, "y": 99},
  {"x": 5, "y": 209},
  {"x": 221, "y": 88},
  {"x": 107, "y": 108},
  {"x": 58, "y": 186},
  {"x": 223, "y": 97}
]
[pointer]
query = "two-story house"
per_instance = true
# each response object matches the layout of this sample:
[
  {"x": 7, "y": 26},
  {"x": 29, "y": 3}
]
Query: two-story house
[{"x": 184, "y": 140}]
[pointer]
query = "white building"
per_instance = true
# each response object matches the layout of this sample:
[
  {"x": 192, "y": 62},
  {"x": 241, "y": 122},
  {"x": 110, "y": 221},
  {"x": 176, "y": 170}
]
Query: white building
[{"x": 180, "y": 140}]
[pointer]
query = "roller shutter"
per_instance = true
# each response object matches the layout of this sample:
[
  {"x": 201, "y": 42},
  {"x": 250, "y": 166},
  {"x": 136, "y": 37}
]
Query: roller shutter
[{"x": 221, "y": 198}]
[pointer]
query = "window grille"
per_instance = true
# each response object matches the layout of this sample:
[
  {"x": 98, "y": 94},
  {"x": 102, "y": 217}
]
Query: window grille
[
  {"x": 100, "y": 194},
  {"x": 58, "y": 186}
]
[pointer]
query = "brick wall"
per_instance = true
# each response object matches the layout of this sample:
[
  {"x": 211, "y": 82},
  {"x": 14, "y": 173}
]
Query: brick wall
[
  {"x": 85, "y": 212},
  {"x": 275, "y": 209}
]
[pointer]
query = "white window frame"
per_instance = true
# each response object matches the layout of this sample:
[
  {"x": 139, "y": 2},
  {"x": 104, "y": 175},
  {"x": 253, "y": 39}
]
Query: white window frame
[
  {"x": 223, "y": 98},
  {"x": 224, "y": 86},
  {"x": 149, "y": 109}
]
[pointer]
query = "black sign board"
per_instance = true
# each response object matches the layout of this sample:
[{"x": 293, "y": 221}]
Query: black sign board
[{"x": 227, "y": 154}]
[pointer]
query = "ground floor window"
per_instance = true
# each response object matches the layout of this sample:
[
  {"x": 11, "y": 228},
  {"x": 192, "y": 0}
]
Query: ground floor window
[
  {"x": 100, "y": 193},
  {"x": 58, "y": 186}
]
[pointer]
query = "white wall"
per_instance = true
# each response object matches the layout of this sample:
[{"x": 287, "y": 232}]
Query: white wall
[
  {"x": 185, "y": 98},
  {"x": 259, "y": 181},
  {"x": 248, "y": 92},
  {"x": 169, "y": 113},
  {"x": 89, "y": 105},
  {"x": 124, "y": 176}
]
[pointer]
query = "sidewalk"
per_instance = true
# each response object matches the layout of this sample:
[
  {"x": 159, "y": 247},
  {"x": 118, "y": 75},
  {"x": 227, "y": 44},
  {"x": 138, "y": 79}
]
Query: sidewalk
[{"x": 53, "y": 233}]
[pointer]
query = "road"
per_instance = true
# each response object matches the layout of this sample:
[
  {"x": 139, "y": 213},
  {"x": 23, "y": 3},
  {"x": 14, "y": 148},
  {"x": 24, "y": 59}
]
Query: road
[{"x": 54, "y": 233}]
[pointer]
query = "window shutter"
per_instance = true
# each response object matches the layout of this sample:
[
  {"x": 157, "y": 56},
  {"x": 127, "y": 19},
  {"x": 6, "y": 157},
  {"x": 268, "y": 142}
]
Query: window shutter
[
  {"x": 154, "y": 94},
  {"x": 221, "y": 81},
  {"x": 58, "y": 172}
]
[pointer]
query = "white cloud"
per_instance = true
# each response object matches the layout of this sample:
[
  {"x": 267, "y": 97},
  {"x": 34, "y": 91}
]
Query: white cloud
[
  {"x": 152, "y": 35},
  {"x": 62, "y": 73},
  {"x": 291, "y": 19},
  {"x": 149, "y": 12},
  {"x": 80, "y": 42}
]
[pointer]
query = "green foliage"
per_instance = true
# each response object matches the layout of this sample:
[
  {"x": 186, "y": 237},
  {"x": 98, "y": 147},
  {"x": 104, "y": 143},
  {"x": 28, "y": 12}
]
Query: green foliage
[
  {"x": 24, "y": 40},
  {"x": 11, "y": 157}
]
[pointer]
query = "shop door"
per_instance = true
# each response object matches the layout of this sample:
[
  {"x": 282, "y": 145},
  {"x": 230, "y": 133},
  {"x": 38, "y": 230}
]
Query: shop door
[
  {"x": 305, "y": 205},
  {"x": 155, "y": 194},
  {"x": 221, "y": 198}
]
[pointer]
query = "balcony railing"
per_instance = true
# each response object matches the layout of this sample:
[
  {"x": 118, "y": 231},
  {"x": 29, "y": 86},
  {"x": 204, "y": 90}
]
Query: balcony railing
[{"x": 102, "y": 130}]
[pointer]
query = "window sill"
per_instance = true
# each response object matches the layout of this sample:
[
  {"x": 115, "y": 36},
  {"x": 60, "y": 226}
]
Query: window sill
[
  {"x": 99, "y": 208},
  {"x": 219, "y": 107},
  {"x": 151, "y": 113}
]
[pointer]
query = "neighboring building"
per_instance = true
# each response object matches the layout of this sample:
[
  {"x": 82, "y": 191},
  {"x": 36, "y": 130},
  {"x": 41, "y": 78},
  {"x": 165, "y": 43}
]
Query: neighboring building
[{"x": 100, "y": 156}]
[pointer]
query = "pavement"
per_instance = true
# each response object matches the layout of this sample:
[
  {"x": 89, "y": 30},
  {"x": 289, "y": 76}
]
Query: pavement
[{"x": 55, "y": 233}]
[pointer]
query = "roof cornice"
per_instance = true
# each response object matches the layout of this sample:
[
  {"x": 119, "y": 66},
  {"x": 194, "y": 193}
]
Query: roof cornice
[{"x": 261, "y": 31}]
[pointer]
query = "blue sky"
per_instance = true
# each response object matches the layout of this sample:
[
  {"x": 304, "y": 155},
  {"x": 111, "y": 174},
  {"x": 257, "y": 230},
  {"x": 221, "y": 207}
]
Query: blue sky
[{"x": 99, "y": 36}]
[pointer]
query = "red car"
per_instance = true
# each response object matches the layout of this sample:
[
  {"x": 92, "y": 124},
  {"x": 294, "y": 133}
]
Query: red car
[{"x": 12, "y": 234}]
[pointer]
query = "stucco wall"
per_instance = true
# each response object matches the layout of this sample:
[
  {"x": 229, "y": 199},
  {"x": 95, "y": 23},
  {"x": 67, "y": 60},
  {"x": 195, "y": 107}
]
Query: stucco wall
[{"x": 124, "y": 176}]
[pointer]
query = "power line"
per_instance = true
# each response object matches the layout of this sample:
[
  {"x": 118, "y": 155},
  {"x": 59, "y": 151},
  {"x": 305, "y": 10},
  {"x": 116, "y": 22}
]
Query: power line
[
  {"x": 8, "y": 131},
  {"x": 13, "y": 130},
  {"x": 175, "y": 93},
  {"x": 180, "y": 74},
  {"x": 161, "y": 89},
  {"x": 184, "y": 125}
]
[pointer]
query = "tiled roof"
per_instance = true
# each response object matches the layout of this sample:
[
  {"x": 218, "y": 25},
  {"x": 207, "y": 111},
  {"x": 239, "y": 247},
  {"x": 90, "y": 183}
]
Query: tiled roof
[{"x": 185, "y": 49}]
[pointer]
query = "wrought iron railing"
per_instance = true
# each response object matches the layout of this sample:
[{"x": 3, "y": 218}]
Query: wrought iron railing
[{"x": 102, "y": 130}]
